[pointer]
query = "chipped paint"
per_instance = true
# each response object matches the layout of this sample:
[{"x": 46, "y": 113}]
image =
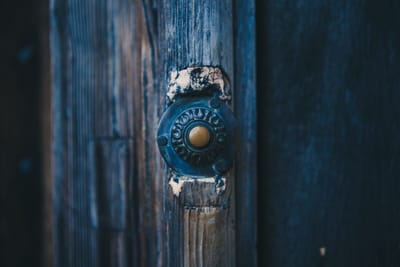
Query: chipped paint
[
  {"x": 176, "y": 182},
  {"x": 176, "y": 186},
  {"x": 198, "y": 79}
]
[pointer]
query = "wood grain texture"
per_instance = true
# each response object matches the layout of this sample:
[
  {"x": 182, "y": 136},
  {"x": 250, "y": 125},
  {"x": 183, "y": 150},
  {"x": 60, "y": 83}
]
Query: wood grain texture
[
  {"x": 111, "y": 162},
  {"x": 329, "y": 121},
  {"x": 105, "y": 103},
  {"x": 114, "y": 205},
  {"x": 245, "y": 106},
  {"x": 200, "y": 222}
]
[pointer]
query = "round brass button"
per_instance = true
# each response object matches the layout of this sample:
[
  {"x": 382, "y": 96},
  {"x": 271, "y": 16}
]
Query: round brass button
[{"x": 199, "y": 136}]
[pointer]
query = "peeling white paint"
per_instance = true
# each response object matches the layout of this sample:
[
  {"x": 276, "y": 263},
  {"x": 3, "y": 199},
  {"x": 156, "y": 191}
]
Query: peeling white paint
[
  {"x": 176, "y": 182},
  {"x": 210, "y": 180},
  {"x": 194, "y": 79},
  {"x": 176, "y": 186}
]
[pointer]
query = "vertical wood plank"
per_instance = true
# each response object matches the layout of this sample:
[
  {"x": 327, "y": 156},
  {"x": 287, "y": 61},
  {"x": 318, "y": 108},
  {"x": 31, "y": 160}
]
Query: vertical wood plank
[
  {"x": 111, "y": 62},
  {"x": 104, "y": 96},
  {"x": 148, "y": 107},
  {"x": 111, "y": 174},
  {"x": 245, "y": 104},
  {"x": 329, "y": 88},
  {"x": 200, "y": 223}
]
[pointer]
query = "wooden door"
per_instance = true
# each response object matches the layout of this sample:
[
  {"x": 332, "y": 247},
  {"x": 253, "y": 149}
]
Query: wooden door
[
  {"x": 328, "y": 79},
  {"x": 115, "y": 203},
  {"x": 317, "y": 154}
]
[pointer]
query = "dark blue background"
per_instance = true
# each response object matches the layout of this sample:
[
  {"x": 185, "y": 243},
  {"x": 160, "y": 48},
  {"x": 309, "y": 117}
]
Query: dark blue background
[{"x": 329, "y": 119}]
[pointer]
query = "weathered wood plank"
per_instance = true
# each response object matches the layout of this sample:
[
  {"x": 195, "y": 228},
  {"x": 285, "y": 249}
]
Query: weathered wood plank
[
  {"x": 111, "y": 174},
  {"x": 200, "y": 222},
  {"x": 111, "y": 62},
  {"x": 148, "y": 108},
  {"x": 105, "y": 95},
  {"x": 329, "y": 156},
  {"x": 205, "y": 237},
  {"x": 245, "y": 104}
]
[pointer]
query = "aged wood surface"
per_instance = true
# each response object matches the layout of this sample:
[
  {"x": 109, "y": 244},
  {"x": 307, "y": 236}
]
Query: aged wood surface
[
  {"x": 200, "y": 222},
  {"x": 329, "y": 121},
  {"x": 105, "y": 103},
  {"x": 115, "y": 203},
  {"x": 245, "y": 106}
]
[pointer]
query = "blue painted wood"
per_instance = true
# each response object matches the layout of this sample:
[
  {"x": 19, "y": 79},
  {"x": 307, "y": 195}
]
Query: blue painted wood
[
  {"x": 329, "y": 91},
  {"x": 105, "y": 105},
  {"x": 197, "y": 33},
  {"x": 111, "y": 62},
  {"x": 245, "y": 105}
]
